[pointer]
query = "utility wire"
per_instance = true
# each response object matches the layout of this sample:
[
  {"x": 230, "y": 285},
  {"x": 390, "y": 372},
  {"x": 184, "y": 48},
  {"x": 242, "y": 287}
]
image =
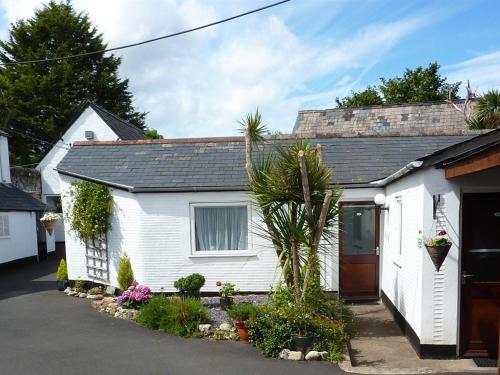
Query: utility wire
[{"x": 52, "y": 59}]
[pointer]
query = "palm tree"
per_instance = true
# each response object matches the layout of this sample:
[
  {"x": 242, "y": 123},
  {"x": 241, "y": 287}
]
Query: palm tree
[
  {"x": 488, "y": 110},
  {"x": 254, "y": 132}
]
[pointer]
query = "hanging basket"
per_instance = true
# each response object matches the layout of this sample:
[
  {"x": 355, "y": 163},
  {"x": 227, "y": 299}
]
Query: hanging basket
[
  {"x": 438, "y": 254},
  {"x": 49, "y": 226}
]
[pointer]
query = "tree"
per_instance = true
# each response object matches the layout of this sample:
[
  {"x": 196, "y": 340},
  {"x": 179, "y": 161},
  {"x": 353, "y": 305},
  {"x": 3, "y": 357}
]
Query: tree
[
  {"x": 488, "y": 111},
  {"x": 254, "y": 132},
  {"x": 370, "y": 96},
  {"x": 152, "y": 133},
  {"x": 37, "y": 101},
  {"x": 416, "y": 85}
]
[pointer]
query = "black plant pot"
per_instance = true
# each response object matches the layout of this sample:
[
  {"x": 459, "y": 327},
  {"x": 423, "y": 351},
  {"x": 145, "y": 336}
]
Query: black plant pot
[
  {"x": 226, "y": 302},
  {"x": 62, "y": 284},
  {"x": 438, "y": 254},
  {"x": 303, "y": 343},
  {"x": 190, "y": 294}
]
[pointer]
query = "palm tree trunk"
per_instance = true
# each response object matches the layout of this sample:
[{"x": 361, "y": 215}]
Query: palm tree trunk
[{"x": 295, "y": 252}]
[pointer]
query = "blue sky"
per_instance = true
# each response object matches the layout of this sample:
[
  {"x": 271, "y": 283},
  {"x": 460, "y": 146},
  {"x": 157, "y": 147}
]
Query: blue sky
[{"x": 300, "y": 55}]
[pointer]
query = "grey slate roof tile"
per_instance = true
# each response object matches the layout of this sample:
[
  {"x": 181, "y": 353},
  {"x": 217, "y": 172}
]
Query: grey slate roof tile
[
  {"x": 122, "y": 128},
  {"x": 13, "y": 199}
]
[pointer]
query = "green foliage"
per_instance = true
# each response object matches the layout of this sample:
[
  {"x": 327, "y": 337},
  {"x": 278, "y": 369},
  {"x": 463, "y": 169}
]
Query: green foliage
[
  {"x": 327, "y": 318},
  {"x": 228, "y": 290},
  {"x": 370, "y": 96},
  {"x": 252, "y": 123},
  {"x": 242, "y": 311},
  {"x": 174, "y": 315},
  {"x": 39, "y": 100},
  {"x": 152, "y": 133},
  {"x": 80, "y": 285},
  {"x": 62, "y": 271},
  {"x": 192, "y": 282},
  {"x": 125, "y": 272},
  {"x": 487, "y": 111},
  {"x": 96, "y": 290},
  {"x": 90, "y": 210},
  {"x": 416, "y": 85}
]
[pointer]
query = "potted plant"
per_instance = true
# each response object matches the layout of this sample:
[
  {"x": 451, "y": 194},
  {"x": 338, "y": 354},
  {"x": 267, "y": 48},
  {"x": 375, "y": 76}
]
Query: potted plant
[
  {"x": 190, "y": 286},
  {"x": 241, "y": 313},
  {"x": 438, "y": 248},
  {"x": 303, "y": 339},
  {"x": 227, "y": 291},
  {"x": 48, "y": 220},
  {"x": 62, "y": 276}
]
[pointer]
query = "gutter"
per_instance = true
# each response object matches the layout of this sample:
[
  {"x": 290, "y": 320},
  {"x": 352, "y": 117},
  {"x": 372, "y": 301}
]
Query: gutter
[
  {"x": 398, "y": 174},
  {"x": 86, "y": 178}
]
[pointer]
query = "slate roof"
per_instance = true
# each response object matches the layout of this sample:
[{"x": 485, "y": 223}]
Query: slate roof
[
  {"x": 463, "y": 150},
  {"x": 122, "y": 128},
  {"x": 212, "y": 164},
  {"x": 3, "y": 133},
  {"x": 13, "y": 199}
]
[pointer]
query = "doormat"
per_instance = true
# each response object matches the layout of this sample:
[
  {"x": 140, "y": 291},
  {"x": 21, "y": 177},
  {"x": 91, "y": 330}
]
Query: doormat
[{"x": 485, "y": 362}]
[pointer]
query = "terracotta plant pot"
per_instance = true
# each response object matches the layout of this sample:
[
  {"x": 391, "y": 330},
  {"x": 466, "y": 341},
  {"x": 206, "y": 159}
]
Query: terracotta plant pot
[
  {"x": 241, "y": 326},
  {"x": 303, "y": 343},
  {"x": 438, "y": 254},
  {"x": 49, "y": 226},
  {"x": 225, "y": 302}
]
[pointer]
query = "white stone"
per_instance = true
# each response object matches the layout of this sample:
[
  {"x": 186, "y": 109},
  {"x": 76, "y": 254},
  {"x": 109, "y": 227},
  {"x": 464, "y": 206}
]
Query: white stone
[
  {"x": 324, "y": 355},
  {"x": 204, "y": 328},
  {"x": 67, "y": 290},
  {"x": 225, "y": 327},
  {"x": 72, "y": 293},
  {"x": 95, "y": 296},
  {"x": 284, "y": 354},
  {"x": 82, "y": 295},
  {"x": 295, "y": 356},
  {"x": 313, "y": 355}
]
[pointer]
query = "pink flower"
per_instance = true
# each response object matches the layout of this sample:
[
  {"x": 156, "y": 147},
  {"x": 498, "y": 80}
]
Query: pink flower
[
  {"x": 134, "y": 283},
  {"x": 218, "y": 283},
  {"x": 442, "y": 233}
]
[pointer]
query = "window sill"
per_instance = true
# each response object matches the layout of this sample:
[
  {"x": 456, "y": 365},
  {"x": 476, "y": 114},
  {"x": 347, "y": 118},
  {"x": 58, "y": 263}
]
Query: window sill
[
  {"x": 397, "y": 262},
  {"x": 4, "y": 237},
  {"x": 223, "y": 254}
]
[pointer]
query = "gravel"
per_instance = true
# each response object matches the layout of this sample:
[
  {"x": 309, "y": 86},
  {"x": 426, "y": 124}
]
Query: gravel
[{"x": 219, "y": 316}]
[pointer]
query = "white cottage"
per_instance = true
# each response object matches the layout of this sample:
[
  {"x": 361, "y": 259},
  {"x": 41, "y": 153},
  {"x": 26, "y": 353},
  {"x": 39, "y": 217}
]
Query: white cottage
[
  {"x": 22, "y": 237},
  {"x": 168, "y": 193},
  {"x": 92, "y": 123}
]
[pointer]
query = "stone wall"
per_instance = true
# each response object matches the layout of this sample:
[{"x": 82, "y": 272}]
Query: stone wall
[
  {"x": 27, "y": 180},
  {"x": 434, "y": 118}
]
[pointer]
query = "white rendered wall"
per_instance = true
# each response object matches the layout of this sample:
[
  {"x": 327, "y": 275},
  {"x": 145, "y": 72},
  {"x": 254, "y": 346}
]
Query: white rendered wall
[
  {"x": 401, "y": 276},
  {"x": 88, "y": 120},
  {"x": 21, "y": 242},
  {"x": 4, "y": 160}
]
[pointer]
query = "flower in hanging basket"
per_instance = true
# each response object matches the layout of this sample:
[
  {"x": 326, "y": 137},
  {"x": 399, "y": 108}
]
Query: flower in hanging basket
[
  {"x": 48, "y": 220},
  {"x": 438, "y": 248}
]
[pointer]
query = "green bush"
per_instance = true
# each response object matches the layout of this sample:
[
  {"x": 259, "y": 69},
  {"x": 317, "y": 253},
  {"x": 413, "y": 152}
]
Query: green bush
[
  {"x": 80, "y": 285},
  {"x": 174, "y": 315},
  {"x": 125, "y": 273},
  {"x": 62, "y": 271},
  {"x": 242, "y": 311},
  {"x": 96, "y": 290},
  {"x": 192, "y": 282},
  {"x": 228, "y": 290}
]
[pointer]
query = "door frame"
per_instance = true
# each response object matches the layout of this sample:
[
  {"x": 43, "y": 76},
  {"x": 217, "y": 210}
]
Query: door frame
[
  {"x": 460, "y": 307},
  {"x": 377, "y": 244}
]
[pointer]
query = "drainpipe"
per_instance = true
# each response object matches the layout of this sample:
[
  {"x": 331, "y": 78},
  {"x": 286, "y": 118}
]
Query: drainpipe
[{"x": 398, "y": 174}]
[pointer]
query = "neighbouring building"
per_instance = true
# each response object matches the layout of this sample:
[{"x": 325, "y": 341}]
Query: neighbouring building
[
  {"x": 169, "y": 193},
  {"x": 92, "y": 123},
  {"x": 22, "y": 237}
]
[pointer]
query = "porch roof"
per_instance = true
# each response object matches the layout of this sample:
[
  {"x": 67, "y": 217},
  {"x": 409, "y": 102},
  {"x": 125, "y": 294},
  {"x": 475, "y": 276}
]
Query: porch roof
[
  {"x": 218, "y": 164},
  {"x": 13, "y": 199}
]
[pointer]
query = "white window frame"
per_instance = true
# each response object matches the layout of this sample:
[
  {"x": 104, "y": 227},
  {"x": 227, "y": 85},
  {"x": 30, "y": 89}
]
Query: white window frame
[
  {"x": 220, "y": 253},
  {"x": 5, "y": 218}
]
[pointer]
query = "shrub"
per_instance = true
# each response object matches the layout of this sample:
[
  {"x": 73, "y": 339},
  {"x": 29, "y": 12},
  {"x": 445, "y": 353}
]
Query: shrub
[
  {"x": 80, "y": 285},
  {"x": 135, "y": 296},
  {"x": 125, "y": 273},
  {"x": 228, "y": 290},
  {"x": 183, "y": 316},
  {"x": 192, "y": 282},
  {"x": 96, "y": 290},
  {"x": 174, "y": 315},
  {"x": 242, "y": 311},
  {"x": 62, "y": 271}
]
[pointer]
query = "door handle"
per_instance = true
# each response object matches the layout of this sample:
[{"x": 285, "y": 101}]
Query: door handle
[
  {"x": 377, "y": 250},
  {"x": 465, "y": 276}
]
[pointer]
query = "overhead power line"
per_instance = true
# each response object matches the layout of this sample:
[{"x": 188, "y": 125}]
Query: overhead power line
[{"x": 53, "y": 59}]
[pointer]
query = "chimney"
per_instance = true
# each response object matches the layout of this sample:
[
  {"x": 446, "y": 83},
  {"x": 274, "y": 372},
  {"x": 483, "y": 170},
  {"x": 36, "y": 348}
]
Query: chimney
[{"x": 4, "y": 158}]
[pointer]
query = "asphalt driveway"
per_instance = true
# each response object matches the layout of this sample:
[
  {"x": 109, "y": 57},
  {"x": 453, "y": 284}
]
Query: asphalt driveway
[{"x": 42, "y": 331}]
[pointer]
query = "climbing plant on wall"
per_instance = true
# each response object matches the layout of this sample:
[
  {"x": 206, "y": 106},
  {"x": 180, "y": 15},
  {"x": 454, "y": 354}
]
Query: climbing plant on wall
[{"x": 90, "y": 209}]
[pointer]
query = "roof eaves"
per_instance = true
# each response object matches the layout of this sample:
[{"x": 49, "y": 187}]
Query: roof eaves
[{"x": 96, "y": 180}]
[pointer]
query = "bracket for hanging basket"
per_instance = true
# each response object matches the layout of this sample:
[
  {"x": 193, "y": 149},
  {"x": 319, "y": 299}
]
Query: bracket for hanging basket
[
  {"x": 49, "y": 226},
  {"x": 438, "y": 254}
]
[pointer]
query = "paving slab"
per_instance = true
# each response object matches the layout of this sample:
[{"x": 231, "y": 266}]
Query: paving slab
[{"x": 379, "y": 347}]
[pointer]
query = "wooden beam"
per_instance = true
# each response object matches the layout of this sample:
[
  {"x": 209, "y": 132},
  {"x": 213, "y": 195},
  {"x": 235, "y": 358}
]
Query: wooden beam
[{"x": 476, "y": 163}]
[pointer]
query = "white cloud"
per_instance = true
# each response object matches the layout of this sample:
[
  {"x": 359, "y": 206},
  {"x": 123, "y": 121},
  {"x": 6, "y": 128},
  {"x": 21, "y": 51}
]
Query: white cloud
[
  {"x": 482, "y": 71},
  {"x": 200, "y": 84}
]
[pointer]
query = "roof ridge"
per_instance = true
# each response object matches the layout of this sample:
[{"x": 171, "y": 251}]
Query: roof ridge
[{"x": 99, "y": 107}]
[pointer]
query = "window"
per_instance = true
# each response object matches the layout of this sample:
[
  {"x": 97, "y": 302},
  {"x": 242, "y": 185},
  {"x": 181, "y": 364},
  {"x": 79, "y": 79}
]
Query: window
[
  {"x": 398, "y": 226},
  {"x": 54, "y": 203},
  {"x": 220, "y": 227},
  {"x": 4, "y": 226}
]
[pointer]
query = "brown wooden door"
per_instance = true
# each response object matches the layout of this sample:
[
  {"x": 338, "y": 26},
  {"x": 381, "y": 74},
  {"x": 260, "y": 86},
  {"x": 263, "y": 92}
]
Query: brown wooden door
[
  {"x": 480, "y": 298},
  {"x": 359, "y": 251}
]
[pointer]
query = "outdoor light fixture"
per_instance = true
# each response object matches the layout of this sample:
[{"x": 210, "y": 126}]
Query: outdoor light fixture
[{"x": 379, "y": 200}]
